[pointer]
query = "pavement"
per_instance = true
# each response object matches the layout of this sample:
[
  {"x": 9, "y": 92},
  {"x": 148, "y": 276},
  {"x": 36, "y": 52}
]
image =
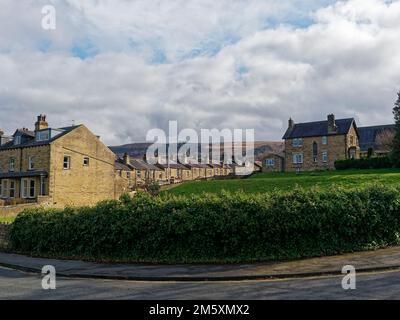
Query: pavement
[{"x": 364, "y": 262}]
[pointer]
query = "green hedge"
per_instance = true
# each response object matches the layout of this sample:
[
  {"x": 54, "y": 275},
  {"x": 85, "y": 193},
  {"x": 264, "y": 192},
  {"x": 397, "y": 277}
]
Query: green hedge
[
  {"x": 211, "y": 228},
  {"x": 364, "y": 163}
]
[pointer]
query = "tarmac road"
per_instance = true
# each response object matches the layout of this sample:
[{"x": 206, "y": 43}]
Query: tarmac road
[{"x": 26, "y": 286}]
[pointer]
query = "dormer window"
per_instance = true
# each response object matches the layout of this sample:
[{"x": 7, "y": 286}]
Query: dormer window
[
  {"x": 17, "y": 140},
  {"x": 43, "y": 135}
]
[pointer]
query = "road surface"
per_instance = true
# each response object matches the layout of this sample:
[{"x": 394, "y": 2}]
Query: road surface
[{"x": 20, "y": 285}]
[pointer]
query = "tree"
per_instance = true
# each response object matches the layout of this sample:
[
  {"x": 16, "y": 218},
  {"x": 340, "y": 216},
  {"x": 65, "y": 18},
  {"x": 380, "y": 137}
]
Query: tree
[
  {"x": 395, "y": 154},
  {"x": 384, "y": 140}
]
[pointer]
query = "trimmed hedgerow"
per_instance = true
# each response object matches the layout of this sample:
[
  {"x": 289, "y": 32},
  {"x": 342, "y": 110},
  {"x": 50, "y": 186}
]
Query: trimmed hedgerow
[
  {"x": 364, "y": 163},
  {"x": 215, "y": 228}
]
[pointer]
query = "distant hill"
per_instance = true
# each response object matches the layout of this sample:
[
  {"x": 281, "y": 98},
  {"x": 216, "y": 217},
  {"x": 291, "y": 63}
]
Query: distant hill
[{"x": 138, "y": 150}]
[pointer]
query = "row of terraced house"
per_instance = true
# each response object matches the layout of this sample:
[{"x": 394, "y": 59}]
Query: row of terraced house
[{"x": 71, "y": 166}]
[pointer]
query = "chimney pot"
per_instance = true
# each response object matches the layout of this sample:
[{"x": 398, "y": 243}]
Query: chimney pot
[
  {"x": 41, "y": 122},
  {"x": 127, "y": 158},
  {"x": 291, "y": 123},
  {"x": 331, "y": 123}
]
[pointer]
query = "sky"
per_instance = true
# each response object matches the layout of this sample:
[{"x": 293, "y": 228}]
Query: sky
[{"x": 124, "y": 67}]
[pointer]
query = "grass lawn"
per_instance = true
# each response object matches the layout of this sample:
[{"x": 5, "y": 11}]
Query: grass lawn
[
  {"x": 264, "y": 182},
  {"x": 7, "y": 219}
]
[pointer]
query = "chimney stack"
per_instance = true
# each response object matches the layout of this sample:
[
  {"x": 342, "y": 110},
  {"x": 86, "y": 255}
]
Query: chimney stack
[
  {"x": 1, "y": 137},
  {"x": 127, "y": 158},
  {"x": 332, "y": 128},
  {"x": 41, "y": 123},
  {"x": 290, "y": 124}
]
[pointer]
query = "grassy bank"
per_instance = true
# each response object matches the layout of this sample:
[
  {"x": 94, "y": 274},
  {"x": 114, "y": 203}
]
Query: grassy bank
[
  {"x": 7, "y": 219},
  {"x": 268, "y": 182}
]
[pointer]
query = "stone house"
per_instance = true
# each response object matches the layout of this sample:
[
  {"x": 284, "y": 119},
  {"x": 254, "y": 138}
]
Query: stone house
[
  {"x": 217, "y": 169},
  {"x": 59, "y": 166},
  {"x": 273, "y": 162},
  {"x": 145, "y": 172},
  {"x": 198, "y": 170},
  {"x": 125, "y": 178},
  {"x": 176, "y": 172},
  {"x": 317, "y": 145}
]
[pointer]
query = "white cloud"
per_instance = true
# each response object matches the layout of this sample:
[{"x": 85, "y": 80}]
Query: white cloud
[{"x": 345, "y": 62}]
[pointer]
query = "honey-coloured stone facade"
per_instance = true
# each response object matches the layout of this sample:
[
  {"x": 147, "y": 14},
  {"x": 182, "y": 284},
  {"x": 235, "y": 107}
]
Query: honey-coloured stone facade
[
  {"x": 37, "y": 169},
  {"x": 321, "y": 152}
]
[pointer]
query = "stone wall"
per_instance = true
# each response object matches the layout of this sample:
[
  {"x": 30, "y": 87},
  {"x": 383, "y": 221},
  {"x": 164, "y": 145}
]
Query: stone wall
[
  {"x": 336, "y": 148},
  {"x": 4, "y": 229},
  {"x": 13, "y": 211},
  {"x": 278, "y": 165},
  {"x": 81, "y": 184}
]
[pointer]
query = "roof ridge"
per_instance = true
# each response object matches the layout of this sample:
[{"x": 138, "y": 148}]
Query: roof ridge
[{"x": 322, "y": 121}]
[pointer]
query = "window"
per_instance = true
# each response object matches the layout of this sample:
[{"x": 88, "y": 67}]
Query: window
[
  {"x": 12, "y": 164},
  {"x": 4, "y": 189},
  {"x": 128, "y": 175},
  {"x": 351, "y": 140},
  {"x": 270, "y": 162},
  {"x": 43, "y": 135},
  {"x": 24, "y": 188},
  {"x": 325, "y": 140},
  {"x": 32, "y": 192},
  {"x": 17, "y": 140},
  {"x": 298, "y": 142},
  {"x": 67, "y": 163},
  {"x": 12, "y": 189},
  {"x": 315, "y": 151},
  {"x": 28, "y": 188},
  {"x": 86, "y": 161},
  {"x": 30, "y": 163},
  {"x": 298, "y": 158},
  {"x": 42, "y": 186},
  {"x": 138, "y": 174},
  {"x": 325, "y": 156}
]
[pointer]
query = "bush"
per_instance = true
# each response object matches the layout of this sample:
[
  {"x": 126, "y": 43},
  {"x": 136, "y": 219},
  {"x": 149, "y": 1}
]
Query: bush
[
  {"x": 154, "y": 188},
  {"x": 364, "y": 163},
  {"x": 215, "y": 228}
]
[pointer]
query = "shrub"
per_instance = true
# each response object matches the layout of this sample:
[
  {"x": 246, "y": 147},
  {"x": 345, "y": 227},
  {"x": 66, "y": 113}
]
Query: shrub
[
  {"x": 208, "y": 228},
  {"x": 364, "y": 163},
  {"x": 154, "y": 188}
]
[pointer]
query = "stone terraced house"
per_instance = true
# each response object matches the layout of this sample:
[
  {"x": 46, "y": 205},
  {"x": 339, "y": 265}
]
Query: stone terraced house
[
  {"x": 317, "y": 145},
  {"x": 56, "y": 166}
]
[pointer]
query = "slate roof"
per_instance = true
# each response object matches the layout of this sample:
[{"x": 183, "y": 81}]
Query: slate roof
[
  {"x": 119, "y": 165},
  {"x": 25, "y": 132},
  {"x": 143, "y": 165},
  {"x": 197, "y": 165},
  {"x": 172, "y": 166},
  {"x": 28, "y": 174},
  {"x": 215, "y": 165},
  {"x": 318, "y": 129},
  {"x": 33, "y": 143},
  {"x": 368, "y": 135}
]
